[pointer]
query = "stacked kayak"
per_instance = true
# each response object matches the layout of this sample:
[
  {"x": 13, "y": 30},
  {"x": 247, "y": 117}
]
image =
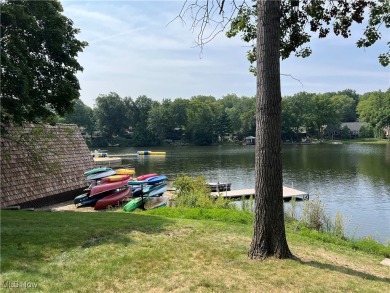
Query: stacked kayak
[
  {"x": 107, "y": 188},
  {"x": 149, "y": 187}
]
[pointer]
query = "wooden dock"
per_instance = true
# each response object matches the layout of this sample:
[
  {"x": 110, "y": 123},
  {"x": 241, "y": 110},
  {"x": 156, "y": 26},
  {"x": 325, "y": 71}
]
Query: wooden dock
[{"x": 288, "y": 194}]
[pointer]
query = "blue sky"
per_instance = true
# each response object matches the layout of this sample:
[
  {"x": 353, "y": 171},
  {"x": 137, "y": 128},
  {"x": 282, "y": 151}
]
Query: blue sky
[{"x": 134, "y": 50}]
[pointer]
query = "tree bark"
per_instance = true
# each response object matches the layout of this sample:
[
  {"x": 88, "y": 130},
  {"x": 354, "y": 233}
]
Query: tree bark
[{"x": 269, "y": 236}]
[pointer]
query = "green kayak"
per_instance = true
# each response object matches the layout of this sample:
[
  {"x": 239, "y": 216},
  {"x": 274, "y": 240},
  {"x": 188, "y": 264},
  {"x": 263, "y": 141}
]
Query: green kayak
[
  {"x": 97, "y": 170},
  {"x": 133, "y": 204}
]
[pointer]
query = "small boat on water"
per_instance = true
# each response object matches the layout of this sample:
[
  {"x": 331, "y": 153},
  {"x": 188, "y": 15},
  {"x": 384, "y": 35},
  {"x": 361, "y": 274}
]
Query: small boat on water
[{"x": 113, "y": 199}]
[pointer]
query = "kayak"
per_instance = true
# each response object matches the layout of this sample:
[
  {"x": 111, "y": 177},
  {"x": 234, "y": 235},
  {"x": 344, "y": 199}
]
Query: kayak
[
  {"x": 96, "y": 170},
  {"x": 149, "y": 181},
  {"x": 90, "y": 201},
  {"x": 153, "y": 190},
  {"x": 80, "y": 198},
  {"x": 115, "y": 178},
  {"x": 156, "y": 202},
  {"x": 113, "y": 198},
  {"x": 100, "y": 175},
  {"x": 107, "y": 186},
  {"x": 125, "y": 171},
  {"x": 146, "y": 176},
  {"x": 133, "y": 204}
]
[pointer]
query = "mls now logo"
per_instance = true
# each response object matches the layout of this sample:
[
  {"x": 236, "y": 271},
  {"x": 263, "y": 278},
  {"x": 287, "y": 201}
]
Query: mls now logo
[{"x": 19, "y": 284}]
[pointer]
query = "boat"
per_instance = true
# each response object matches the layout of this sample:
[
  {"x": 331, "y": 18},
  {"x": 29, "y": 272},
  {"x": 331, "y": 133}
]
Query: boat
[
  {"x": 87, "y": 200},
  {"x": 154, "y": 190},
  {"x": 115, "y": 178},
  {"x": 219, "y": 186},
  {"x": 150, "y": 153},
  {"x": 113, "y": 198},
  {"x": 106, "y": 187},
  {"x": 133, "y": 204},
  {"x": 150, "y": 181},
  {"x": 78, "y": 199},
  {"x": 125, "y": 171},
  {"x": 97, "y": 170},
  {"x": 100, "y": 175},
  {"x": 156, "y": 202},
  {"x": 146, "y": 176}
]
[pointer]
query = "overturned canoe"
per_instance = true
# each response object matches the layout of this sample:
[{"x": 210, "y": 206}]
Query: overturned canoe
[
  {"x": 115, "y": 178},
  {"x": 156, "y": 202},
  {"x": 113, "y": 199},
  {"x": 100, "y": 175},
  {"x": 107, "y": 186},
  {"x": 125, "y": 171},
  {"x": 97, "y": 170},
  {"x": 133, "y": 204}
]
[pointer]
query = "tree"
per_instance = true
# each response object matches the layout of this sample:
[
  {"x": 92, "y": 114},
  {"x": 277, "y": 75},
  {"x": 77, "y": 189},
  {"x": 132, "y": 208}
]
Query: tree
[
  {"x": 279, "y": 31},
  {"x": 296, "y": 113},
  {"x": 110, "y": 113},
  {"x": 200, "y": 122},
  {"x": 141, "y": 108},
  {"x": 82, "y": 115},
  {"x": 160, "y": 122},
  {"x": 374, "y": 108},
  {"x": 38, "y": 61}
]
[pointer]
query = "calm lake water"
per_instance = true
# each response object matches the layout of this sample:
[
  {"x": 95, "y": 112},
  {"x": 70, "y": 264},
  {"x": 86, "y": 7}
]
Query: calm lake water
[{"x": 351, "y": 179}]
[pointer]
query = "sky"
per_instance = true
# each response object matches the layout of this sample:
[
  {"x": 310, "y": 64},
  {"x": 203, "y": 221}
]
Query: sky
[{"x": 139, "y": 48}]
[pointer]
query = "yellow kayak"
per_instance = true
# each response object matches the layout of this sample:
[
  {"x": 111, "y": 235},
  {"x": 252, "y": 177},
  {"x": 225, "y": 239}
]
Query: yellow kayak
[{"x": 125, "y": 171}]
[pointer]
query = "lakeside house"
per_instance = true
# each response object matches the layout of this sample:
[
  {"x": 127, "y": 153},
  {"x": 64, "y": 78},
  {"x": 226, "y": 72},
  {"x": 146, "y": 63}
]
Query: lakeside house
[
  {"x": 42, "y": 164},
  {"x": 249, "y": 140}
]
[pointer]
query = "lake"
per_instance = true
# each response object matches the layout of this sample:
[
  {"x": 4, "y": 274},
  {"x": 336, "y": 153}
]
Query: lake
[{"x": 350, "y": 178}]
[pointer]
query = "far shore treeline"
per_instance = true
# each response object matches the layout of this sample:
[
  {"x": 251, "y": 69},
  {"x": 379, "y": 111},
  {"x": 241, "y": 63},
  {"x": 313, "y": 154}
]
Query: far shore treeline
[{"x": 206, "y": 120}]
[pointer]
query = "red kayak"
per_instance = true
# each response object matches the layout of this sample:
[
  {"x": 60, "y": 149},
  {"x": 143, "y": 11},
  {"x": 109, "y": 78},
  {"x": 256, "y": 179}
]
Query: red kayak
[
  {"x": 146, "y": 176},
  {"x": 107, "y": 186},
  {"x": 115, "y": 178},
  {"x": 113, "y": 199}
]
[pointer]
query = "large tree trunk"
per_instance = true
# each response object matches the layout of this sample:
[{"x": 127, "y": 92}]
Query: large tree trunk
[{"x": 269, "y": 236}]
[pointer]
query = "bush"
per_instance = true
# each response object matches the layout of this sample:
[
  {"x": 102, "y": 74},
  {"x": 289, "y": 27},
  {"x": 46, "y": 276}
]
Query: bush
[{"x": 195, "y": 193}]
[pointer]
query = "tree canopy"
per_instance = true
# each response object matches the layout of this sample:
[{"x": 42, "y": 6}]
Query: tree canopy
[
  {"x": 321, "y": 17},
  {"x": 38, "y": 61}
]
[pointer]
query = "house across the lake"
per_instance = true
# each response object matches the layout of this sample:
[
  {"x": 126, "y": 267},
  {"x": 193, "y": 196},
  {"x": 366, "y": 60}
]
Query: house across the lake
[{"x": 249, "y": 140}]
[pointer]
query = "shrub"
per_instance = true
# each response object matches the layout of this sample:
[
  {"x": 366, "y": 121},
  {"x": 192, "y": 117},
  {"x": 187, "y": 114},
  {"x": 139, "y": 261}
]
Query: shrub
[
  {"x": 195, "y": 193},
  {"x": 315, "y": 217}
]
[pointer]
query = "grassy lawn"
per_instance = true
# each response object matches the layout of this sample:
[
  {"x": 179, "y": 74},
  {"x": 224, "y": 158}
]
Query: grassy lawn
[
  {"x": 147, "y": 252},
  {"x": 365, "y": 141}
]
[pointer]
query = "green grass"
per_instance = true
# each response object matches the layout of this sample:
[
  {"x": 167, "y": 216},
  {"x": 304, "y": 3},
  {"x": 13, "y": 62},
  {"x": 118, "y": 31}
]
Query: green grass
[
  {"x": 362, "y": 141},
  {"x": 164, "y": 251}
]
